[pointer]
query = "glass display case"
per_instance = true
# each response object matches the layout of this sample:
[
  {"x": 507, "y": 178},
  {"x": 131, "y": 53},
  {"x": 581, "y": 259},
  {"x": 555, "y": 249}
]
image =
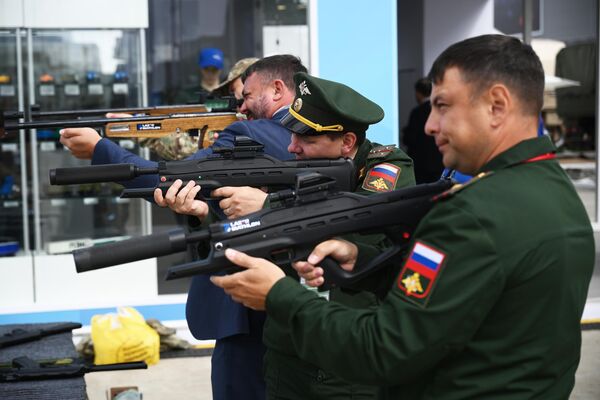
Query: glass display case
[
  {"x": 72, "y": 70},
  {"x": 40, "y": 224},
  {"x": 13, "y": 211},
  {"x": 16, "y": 263}
]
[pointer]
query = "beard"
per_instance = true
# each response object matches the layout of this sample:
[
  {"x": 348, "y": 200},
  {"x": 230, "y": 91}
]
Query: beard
[{"x": 260, "y": 110}]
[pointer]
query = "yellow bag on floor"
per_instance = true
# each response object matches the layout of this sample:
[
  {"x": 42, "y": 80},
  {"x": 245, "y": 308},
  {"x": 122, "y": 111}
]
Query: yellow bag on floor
[{"x": 124, "y": 337}]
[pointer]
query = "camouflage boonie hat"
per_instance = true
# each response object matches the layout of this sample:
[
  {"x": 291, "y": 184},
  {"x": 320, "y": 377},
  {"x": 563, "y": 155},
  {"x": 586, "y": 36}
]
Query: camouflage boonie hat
[
  {"x": 323, "y": 106},
  {"x": 236, "y": 71}
]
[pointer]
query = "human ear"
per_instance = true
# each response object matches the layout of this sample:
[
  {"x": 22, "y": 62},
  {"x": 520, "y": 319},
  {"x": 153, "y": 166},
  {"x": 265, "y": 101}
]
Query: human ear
[
  {"x": 348, "y": 142},
  {"x": 500, "y": 102},
  {"x": 278, "y": 89}
]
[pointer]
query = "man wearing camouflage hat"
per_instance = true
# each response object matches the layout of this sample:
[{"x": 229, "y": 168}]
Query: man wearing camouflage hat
[
  {"x": 180, "y": 145},
  {"x": 233, "y": 85},
  {"x": 327, "y": 120}
]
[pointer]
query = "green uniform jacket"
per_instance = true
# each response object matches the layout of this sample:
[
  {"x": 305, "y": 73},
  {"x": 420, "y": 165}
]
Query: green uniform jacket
[
  {"x": 287, "y": 376},
  {"x": 497, "y": 316}
]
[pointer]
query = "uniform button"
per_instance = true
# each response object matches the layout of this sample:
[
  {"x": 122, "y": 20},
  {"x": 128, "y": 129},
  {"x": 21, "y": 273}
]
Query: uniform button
[{"x": 320, "y": 376}]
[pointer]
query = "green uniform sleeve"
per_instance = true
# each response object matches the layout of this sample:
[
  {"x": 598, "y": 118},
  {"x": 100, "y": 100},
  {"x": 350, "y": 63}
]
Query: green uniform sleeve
[
  {"x": 372, "y": 245},
  {"x": 404, "y": 337}
]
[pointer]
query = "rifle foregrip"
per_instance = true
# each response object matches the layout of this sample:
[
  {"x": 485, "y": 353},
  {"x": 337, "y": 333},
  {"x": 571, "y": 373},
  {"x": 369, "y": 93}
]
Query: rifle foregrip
[
  {"x": 139, "y": 248},
  {"x": 92, "y": 174}
]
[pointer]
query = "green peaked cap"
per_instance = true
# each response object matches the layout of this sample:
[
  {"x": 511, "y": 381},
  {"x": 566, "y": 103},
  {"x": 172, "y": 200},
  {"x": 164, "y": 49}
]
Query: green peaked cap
[{"x": 323, "y": 106}]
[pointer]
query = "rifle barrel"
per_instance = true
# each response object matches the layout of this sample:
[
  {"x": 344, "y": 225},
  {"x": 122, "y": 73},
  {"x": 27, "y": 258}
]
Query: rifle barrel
[
  {"x": 97, "y": 174},
  {"x": 139, "y": 248},
  {"x": 101, "y": 111},
  {"x": 91, "y": 122}
]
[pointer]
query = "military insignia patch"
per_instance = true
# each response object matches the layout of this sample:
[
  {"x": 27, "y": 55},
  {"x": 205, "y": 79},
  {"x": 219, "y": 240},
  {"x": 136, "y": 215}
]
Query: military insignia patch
[
  {"x": 381, "y": 178},
  {"x": 297, "y": 104},
  {"x": 420, "y": 273},
  {"x": 303, "y": 88},
  {"x": 381, "y": 151}
]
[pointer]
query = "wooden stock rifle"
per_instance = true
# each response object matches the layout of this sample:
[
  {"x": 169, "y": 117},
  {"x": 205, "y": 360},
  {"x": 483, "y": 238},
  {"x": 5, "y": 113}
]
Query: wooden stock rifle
[{"x": 146, "y": 122}]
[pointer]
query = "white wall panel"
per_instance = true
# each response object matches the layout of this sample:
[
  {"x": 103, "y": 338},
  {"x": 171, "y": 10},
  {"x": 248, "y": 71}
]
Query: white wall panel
[
  {"x": 11, "y": 14},
  {"x": 57, "y": 282},
  {"x": 447, "y": 22},
  {"x": 16, "y": 277},
  {"x": 65, "y": 14}
]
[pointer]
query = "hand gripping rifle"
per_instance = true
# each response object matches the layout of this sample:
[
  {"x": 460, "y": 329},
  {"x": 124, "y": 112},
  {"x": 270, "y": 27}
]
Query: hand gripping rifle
[
  {"x": 245, "y": 164},
  {"x": 149, "y": 122},
  {"x": 310, "y": 214},
  {"x": 24, "y": 368}
]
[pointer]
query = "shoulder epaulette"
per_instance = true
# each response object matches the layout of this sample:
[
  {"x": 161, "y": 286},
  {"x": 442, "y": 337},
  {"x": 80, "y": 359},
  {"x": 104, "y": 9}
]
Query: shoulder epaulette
[
  {"x": 461, "y": 186},
  {"x": 381, "y": 151}
]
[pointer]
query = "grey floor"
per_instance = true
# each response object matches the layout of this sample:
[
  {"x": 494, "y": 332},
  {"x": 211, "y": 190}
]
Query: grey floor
[{"x": 189, "y": 378}]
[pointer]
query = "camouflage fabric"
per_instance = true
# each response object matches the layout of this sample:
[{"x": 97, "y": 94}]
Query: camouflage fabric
[
  {"x": 236, "y": 71},
  {"x": 168, "y": 336},
  {"x": 175, "y": 146}
]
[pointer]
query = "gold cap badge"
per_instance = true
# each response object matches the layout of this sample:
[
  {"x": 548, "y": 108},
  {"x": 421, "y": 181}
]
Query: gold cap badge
[{"x": 297, "y": 104}]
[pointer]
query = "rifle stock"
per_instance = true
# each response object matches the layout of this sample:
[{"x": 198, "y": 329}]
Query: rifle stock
[{"x": 196, "y": 124}]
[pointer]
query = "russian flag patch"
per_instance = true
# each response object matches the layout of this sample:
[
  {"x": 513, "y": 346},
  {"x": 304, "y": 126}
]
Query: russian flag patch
[
  {"x": 381, "y": 178},
  {"x": 420, "y": 272}
]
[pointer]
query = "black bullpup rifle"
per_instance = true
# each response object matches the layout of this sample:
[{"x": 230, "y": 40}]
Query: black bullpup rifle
[
  {"x": 245, "y": 164},
  {"x": 309, "y": 214},
  {"x": 24, "y": 368},
  {"x": 17, "y": 336},
  {"x": 146, "y": 122}
]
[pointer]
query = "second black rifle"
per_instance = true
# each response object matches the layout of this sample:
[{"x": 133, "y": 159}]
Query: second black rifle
[{"x": 242, "y": 165}]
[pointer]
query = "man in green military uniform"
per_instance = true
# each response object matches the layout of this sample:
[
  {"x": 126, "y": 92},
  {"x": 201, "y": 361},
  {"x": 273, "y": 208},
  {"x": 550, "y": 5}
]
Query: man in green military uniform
[
  {"x": 330, "y": 120},
  {"x": 487, "y": 305},
  {"x": 327, "y": 120}
]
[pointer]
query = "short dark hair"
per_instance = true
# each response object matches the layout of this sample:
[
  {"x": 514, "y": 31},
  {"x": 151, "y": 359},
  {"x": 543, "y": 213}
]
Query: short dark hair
[
  {"x": 423, "y": 86},
  {"x": 281, "y": 66},
  {"x": 361, "y": 136},
  {"x": 488, "y": 59}
]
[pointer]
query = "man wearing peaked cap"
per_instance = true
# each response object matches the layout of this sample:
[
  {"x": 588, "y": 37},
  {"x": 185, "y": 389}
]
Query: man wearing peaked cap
[
  {"x": 323, "y": 106},
  {"x": 329, "y": 120}
]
